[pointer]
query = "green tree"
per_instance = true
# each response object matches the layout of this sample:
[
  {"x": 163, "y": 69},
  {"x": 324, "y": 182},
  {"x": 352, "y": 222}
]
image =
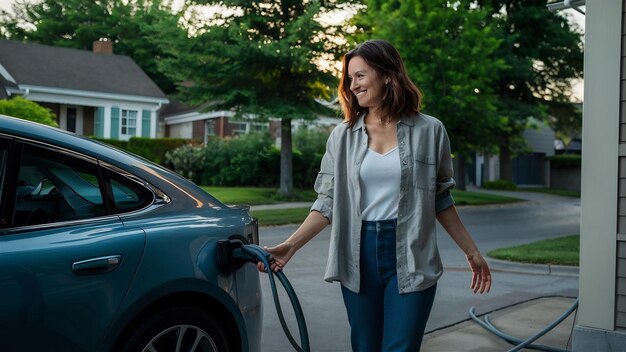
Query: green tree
[
  {"x": 566, "y": 119},
  {"x": 131, "y": 25},
  {"x": 27, "y": 110},
  {"x": 543, "y": 54},
  {"x": 260, "y": 59},
  {"x": 449, "y": 53}
]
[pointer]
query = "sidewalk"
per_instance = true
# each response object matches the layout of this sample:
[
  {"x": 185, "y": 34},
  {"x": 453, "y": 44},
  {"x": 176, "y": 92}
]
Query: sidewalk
[{"x": 521, "y": 320}]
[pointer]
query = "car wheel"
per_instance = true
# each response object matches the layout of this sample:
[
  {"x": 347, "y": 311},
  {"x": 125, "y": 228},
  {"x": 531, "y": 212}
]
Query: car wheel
[{"x": 179, "y": 328}]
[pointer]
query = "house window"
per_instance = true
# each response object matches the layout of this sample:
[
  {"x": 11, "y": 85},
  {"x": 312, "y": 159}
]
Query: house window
[
  {"x": 239, "y": 128},
  {"x": 260, "y": 127},
  {"x": 129, "y": 122},
  {"x": 210, "y": 128}
]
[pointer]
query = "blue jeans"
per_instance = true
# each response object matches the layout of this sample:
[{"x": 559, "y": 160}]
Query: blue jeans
[{"x": 382, "y": 319}]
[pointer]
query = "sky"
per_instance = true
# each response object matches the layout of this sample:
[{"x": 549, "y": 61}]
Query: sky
[{"x": 578, "y": 18}]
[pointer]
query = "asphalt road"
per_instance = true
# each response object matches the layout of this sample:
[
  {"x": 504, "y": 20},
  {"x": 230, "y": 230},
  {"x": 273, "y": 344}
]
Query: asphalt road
[{"x": 540, "y": 217}]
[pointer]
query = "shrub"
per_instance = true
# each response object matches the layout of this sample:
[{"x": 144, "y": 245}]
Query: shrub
[
  {"x": 154, "y": 149},
  {"x": 309, "y": 147},
  {"x": 187, "y": 160},
  {"x": 250, "y": 160},
  {"x": 500, "y": 184},
  {"x": 27, "y": 110},
  {"x": 245, "y": 160},
  {"x": 310, "y": 142},
  {"x": 565, "y": 160}
]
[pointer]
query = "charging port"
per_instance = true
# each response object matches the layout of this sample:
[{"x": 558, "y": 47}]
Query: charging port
[{"x": 226, "y": 261}]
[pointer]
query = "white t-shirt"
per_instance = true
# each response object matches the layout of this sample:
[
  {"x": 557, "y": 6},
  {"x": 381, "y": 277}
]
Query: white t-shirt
[{"x": 380, "y": 185}]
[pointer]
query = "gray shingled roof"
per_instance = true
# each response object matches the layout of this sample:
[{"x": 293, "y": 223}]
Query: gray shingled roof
[
  {"x": 175, "y": 107},
  {"x": 49, "y": 66}
]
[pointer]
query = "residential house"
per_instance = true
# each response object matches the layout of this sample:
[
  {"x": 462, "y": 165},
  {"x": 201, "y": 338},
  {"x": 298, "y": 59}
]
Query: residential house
[
  {"x": 179, "y": 120},
  {"x": 530, "y": 168},
  {"x": 93, "y": 93}
]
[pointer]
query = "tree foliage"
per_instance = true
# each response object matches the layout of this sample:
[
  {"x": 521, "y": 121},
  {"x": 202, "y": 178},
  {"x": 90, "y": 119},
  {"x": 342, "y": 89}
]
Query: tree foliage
[
  {"x": 27, "y": 110},
  {"x": 259, "y": 58},
  {"x": 449, "y": 53},
  {"x": 543, "y": 54},
  {"x": 131, "y": 25}
]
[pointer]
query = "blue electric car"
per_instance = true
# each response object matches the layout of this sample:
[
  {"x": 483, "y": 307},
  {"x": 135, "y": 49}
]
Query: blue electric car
[{"x": 101, "y": 250}]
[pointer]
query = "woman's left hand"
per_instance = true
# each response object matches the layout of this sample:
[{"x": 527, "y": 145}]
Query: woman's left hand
[{"x": 481, "y": 276}]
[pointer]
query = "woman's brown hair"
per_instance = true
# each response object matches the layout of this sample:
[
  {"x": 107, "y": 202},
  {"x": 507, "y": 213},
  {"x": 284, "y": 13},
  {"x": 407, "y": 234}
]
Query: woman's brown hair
[{"x": 401, "y": 96}]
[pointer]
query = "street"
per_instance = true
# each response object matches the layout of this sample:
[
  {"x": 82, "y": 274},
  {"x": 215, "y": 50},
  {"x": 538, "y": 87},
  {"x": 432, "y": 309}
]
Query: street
[{"x": 540, "y": 217}]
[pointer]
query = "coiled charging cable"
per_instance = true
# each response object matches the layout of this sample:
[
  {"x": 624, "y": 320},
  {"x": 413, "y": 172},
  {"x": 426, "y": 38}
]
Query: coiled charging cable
[{"x": 253, "y": 253}]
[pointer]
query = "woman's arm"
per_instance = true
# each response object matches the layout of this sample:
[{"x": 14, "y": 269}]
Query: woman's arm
[{"x": 451, "y": 222}]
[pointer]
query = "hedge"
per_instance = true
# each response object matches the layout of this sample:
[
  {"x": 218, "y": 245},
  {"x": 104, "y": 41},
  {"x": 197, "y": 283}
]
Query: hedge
[
  {"x": 499, "y": 184},
  {"x": 565, "y": 160},
  {"x": 153, "y": 149},
  {"x": 249, "y": 160}
]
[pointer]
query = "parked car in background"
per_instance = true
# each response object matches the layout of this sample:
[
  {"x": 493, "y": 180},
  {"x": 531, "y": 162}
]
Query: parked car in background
[{"x": 101, "y": 250}]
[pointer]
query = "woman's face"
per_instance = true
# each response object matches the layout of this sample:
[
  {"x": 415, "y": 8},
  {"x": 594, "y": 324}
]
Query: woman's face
[{"x": 365, "y": 83}]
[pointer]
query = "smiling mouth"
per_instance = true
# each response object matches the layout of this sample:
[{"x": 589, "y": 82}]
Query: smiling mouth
[{"x": 358, "y": 94}]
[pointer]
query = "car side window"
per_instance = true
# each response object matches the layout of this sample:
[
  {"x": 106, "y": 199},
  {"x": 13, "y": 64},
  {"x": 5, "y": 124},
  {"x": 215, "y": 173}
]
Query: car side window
[
  {"x": 54, "y": 187},
  {"x": 126, "y": 195}
]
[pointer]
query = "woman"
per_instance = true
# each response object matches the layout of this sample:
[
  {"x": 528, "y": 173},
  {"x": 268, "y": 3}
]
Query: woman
[{"x": 384, "y": 179}]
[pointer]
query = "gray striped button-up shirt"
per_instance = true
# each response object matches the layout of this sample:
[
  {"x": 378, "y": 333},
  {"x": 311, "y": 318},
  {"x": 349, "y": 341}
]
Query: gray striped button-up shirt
[{"x": 426, "y": 180}]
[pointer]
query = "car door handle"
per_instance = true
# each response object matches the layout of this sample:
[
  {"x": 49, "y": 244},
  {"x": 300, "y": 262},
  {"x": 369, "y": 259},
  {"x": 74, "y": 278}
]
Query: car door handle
[{"x": 98, "y": 265}]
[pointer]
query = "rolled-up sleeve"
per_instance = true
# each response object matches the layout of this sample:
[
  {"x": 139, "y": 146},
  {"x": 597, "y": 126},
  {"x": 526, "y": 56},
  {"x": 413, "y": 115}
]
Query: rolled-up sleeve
[
  {"x": 445, "y": 173},
  {"x": 324, "y": 183}
]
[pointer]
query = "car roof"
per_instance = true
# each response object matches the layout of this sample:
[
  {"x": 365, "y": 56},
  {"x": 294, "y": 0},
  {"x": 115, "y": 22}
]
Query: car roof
[{"x": 153, "y": 173}]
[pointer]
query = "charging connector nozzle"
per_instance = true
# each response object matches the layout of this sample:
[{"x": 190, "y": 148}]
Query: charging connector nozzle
[
  {"x": 232, "y": 254},
  {"x": 251, "y": 253}
]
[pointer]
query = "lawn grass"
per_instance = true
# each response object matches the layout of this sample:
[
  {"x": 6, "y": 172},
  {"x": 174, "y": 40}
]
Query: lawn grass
[
  {"x": 280, "y": 216},
  {"x": 256, "y": 195},
  {"x": 259, "y": 195},
  {"x": 557, "y": 251}
]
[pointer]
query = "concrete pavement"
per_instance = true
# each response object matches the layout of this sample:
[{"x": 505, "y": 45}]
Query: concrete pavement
[{"x": 521, "y": 320}]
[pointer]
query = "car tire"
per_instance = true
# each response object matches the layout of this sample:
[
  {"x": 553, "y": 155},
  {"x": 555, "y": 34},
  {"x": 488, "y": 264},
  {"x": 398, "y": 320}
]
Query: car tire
[{"x": 187, "y": 327}]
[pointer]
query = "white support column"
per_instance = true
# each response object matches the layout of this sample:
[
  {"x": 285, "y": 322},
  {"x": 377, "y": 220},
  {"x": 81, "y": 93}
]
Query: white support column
[
  {"x": 153, "y": 123},
  {"x": 107, "y": 121},
  {"x": 599, "y": 191}
]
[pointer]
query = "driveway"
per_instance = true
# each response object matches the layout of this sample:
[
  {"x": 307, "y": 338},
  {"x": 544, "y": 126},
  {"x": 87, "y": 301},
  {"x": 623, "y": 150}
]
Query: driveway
[{"x": 541, "y": 216}]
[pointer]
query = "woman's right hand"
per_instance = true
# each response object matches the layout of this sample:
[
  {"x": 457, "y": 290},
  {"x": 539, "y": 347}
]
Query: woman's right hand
[{"x": 280, "y": 255}]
